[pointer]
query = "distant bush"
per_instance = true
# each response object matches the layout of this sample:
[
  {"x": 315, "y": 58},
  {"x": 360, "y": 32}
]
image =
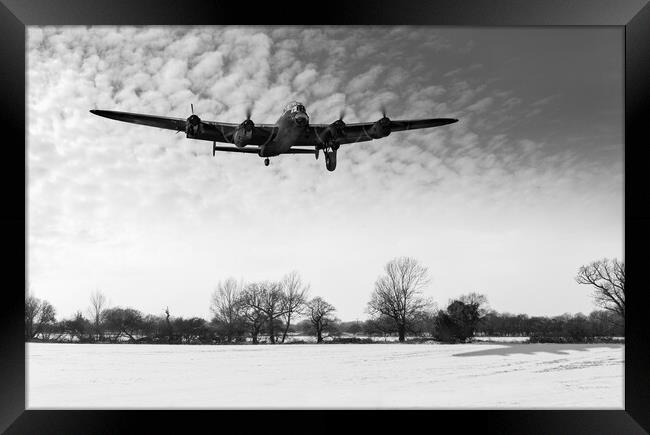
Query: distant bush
[
  {"x": 596, "y": 324},
  {"x": 555, "y": 339},
  {"x": 418, "y": 340},
  {"x": 459, "y": 321},
  {"x": 349, "y": 340}
]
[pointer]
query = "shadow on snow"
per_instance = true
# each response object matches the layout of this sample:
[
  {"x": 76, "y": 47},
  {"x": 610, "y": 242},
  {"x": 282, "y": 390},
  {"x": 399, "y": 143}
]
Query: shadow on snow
[{"x": 558, "y": 349}]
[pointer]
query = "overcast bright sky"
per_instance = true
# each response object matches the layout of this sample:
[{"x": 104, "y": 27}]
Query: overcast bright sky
[{"x": 509, "y": 202}]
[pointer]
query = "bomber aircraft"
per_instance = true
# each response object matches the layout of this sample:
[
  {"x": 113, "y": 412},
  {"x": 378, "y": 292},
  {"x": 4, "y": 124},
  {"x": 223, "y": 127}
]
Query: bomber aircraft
[{"x": 291, "y": 134}]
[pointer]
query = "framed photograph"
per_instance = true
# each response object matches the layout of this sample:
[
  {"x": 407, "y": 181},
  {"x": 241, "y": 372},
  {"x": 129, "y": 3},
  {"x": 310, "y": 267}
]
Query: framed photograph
[{"x": 233, "y": 207}]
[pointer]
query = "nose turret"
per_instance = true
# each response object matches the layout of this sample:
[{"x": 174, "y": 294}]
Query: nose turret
[{"x": 301, "y": 119}]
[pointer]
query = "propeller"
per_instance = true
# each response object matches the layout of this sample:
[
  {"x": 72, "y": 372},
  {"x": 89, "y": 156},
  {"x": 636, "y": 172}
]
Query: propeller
[
  {"x": 381, "y": 128},
  {"x": 383, "y": 110},
  {"x": 193, "y": 119},
  {"x": 338, "y": 126},
  {"x": 384, "y": 120},
  {"x": 248, "y": 124},
  {"x": 249, "y": 110},
  {"x": 192, "y": 109},
  {"x": 339, "y": 122},
  {"x": 193, "y": 122}
]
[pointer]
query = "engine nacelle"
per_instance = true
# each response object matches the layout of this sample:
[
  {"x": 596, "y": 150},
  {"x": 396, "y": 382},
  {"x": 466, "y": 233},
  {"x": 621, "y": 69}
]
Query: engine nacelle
[
  {"x": 192, "y": 126},
  {"x": 244, "y": 133},
  {"x": 333, "y": 132},
  {"x": 380, "y": 128}
]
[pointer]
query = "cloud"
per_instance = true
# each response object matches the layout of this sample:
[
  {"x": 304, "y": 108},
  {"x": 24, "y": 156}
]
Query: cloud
[
  {"x": 480, "y": 105},
  {"x": 208, "y": 65},
  {"x": 305, "y": 79},
  {"x": 365, "y": 81},
  {"x": 545, "y": 100}
]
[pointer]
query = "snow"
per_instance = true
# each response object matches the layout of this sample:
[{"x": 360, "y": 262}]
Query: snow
[
  {"x": 312, "y": 338},
  {"x": 501, "y": 339},
  {"x": 386, "y": 375}
]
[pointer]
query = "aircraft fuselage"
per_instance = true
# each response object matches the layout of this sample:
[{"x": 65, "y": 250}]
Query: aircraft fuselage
[{"x": 291, "y": 126}]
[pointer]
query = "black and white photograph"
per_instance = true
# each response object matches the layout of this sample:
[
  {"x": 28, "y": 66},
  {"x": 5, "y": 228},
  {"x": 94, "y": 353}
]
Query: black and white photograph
[{"x": 324, "y": 217}]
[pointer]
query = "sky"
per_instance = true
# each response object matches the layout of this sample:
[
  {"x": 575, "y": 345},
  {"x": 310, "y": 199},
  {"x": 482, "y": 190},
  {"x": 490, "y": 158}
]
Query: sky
[{"x": 508, "y": 202}]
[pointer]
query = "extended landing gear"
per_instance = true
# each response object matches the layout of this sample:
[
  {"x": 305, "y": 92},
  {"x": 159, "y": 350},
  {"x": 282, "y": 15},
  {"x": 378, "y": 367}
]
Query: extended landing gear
[
  {"x": 267, "y": 161},
  {"x": 330, "y": 159},
  {"x": 329, "y": 150}
]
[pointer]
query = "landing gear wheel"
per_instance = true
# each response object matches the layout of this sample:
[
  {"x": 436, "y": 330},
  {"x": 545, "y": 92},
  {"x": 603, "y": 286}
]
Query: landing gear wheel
[
  {"x": 330, "y": 160},
  {"x": 266, "y": 161}
]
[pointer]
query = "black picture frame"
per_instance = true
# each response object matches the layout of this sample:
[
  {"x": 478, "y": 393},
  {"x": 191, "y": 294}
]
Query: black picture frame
[{"x": 633, "y": 15}]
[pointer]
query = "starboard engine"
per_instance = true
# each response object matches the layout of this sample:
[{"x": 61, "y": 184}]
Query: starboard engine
[
  {"x": 244, "y": 133},
  {"x": 332, "y": 133},
  {"x": 335, "y": 131},
  {"x": 380, "y": 128}
]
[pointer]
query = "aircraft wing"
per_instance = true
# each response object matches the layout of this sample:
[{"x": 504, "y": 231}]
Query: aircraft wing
[
  {"x": 360, "y": 132},
  {"x": 209, "y": 130}
]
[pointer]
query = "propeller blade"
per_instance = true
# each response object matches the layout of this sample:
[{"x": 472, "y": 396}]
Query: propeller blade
[
  {"x": 383, "y": 110},
  {"x": 192, "y": 107},
  {"x": 249, "y": 111},
  {"x": 342, "y": 114}
]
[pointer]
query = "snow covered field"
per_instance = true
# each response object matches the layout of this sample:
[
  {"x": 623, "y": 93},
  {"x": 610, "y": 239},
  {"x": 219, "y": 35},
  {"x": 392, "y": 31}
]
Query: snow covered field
[{"x": 86, "y": 376}]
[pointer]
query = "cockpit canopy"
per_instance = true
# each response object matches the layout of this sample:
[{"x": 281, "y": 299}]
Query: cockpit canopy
[{"x": 295, "y": 106}]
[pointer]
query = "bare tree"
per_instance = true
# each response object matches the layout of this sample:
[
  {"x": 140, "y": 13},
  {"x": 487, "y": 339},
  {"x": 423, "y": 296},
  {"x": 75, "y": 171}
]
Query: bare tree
[
  {"x": 98, "y": 305},
  {"x": 78, "y": 327},
  {"x": 191, "y": 330},
  {"x": 153, "y": 328},
  {"x": 39, "y": 315},
  {"x": 32, "y": 310},
  {"x": 168, "y": 324},
  {"x": 608, "y": 279},
  {"x": 127, "y": 321},
  {"x": 381, "y": 324},
  {"x": 295, "y": 296},
  {"x": 271, "y": 302},
  {"x": 251, "y": 311},
  {"x": 226, "y": 306},
  {"x": 477, "y": 301},
  {"x": 320, "y": 316},
  {"x": 397, "y": 293}
]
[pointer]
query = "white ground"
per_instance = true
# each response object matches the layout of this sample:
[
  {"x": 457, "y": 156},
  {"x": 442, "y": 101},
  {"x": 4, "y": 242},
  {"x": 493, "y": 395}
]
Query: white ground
[
  {"x": 487, "y": 376},
  {"x": 502, "y": 339}
]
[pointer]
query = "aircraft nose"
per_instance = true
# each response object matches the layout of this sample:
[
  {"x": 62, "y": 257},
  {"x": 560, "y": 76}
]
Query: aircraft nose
[{"x": 301, "y": 119}]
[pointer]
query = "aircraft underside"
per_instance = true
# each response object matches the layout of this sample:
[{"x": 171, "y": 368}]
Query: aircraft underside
[
  {"x": 291, "y": 134},
  {"x": 275, "y": 149}
]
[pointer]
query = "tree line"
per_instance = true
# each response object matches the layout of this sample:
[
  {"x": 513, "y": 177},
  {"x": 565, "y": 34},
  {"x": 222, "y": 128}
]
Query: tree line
[{"x": 268, "y": 311}]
